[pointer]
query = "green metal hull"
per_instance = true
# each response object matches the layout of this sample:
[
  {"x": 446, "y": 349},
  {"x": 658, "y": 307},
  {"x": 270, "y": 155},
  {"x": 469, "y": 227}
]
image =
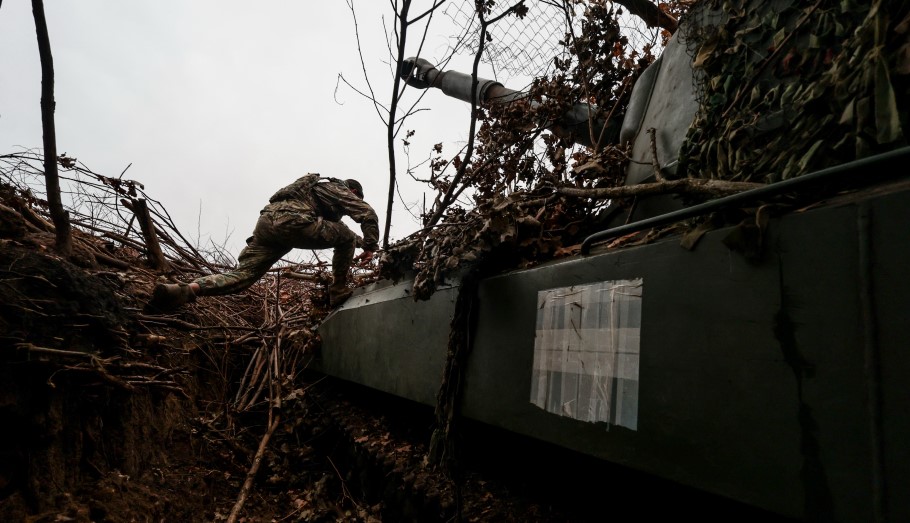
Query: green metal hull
[{"x": 778, "y": 382}]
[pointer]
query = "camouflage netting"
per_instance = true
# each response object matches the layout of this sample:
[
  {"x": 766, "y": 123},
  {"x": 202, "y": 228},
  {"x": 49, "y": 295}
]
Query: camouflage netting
[
  {"x": 784, "y": 89},
  {"x": 796, "y": 88},
  {"x": 511, "y": 213},
  {"x": 514, "y": 231}
]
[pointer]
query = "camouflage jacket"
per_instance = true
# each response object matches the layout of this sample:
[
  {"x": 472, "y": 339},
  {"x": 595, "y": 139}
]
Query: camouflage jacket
[{"x": 329, "y": 199}]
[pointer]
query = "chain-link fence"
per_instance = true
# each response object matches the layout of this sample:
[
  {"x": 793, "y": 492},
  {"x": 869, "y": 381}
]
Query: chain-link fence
[{"x": 526, "y": 46}]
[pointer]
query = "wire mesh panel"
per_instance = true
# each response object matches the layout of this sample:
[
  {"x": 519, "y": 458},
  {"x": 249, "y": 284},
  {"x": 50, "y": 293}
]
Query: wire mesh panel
[{"x": 526, "y": 46}]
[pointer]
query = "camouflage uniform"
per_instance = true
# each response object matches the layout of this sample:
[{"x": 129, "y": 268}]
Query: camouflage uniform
[{"x": 303, "y": 215}]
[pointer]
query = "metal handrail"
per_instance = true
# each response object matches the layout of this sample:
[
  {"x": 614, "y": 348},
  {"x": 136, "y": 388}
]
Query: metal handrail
[{"x": 752, "y": 194}]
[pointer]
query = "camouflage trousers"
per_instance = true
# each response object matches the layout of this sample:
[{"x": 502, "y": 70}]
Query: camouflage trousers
[{"x": 277, "y": 232}]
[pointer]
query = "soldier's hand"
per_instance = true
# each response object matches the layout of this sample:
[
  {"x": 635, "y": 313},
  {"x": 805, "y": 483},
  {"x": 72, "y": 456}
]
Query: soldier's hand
[{"x": 365, "y": 256}]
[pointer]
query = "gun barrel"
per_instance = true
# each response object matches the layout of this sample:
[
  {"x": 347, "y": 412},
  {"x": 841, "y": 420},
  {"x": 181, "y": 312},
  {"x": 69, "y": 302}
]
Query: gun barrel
[{"x": 581, "y": 121}]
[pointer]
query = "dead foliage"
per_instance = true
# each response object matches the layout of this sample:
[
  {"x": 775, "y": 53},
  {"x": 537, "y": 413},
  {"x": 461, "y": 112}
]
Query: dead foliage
[
  {"x": 831, "y": 87},
  {"x": 203, "y": 415},
  {"x": 78, "y": 321},
  {"x": 525, "y": 197}
]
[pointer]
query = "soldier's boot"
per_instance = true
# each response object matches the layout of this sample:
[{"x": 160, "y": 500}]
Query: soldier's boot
[
  {"x": 339, "y": 296},
  {"x": 338, "y": 291},
  {"x": 341, "y": 264},
  {"x": 168, "y": 297}
]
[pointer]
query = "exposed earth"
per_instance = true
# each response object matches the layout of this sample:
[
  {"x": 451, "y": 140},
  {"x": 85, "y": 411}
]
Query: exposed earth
[
  {"x": 113, "y": 413},
  {"x": 114, "y": 416}
]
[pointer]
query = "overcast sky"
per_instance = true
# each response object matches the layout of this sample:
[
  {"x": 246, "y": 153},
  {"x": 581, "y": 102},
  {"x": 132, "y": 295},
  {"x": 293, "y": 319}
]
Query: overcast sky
[{"x": 217, "y": 104}]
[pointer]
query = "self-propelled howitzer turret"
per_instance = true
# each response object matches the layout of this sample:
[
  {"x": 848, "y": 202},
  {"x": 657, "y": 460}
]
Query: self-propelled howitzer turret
[
  {"x": 663, "y": 98},
  {"x": 774, "y": 377}
]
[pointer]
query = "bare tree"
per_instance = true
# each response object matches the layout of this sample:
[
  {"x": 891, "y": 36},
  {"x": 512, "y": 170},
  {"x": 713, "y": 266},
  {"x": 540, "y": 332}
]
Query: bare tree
[
  {"x": 59, "y": 216},
  {"x": 392, "y": 115},
  {"x": 402, "y": 24},
  {"x": 453, "y": 191}
]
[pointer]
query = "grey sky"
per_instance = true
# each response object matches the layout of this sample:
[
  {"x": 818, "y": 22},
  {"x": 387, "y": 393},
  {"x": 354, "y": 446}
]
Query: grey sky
[{"x": 217, "y": 103}]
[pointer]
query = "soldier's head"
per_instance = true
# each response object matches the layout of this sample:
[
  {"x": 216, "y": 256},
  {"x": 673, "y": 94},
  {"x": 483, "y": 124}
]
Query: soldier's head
[{"x": 355, "y": 187}]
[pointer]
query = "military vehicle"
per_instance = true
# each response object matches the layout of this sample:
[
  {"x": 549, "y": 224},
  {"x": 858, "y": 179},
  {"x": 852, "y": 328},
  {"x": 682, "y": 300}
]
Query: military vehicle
[{"x": 775, "y": 378}]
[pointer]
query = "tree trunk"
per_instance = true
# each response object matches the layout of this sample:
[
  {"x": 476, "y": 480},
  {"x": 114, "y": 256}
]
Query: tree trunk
[
  {"x": 393, "y": 109},
  {"x": 153, "y": 249},
  {"x": 652, "y": 15},
  {"x": 59, "y": 216}
]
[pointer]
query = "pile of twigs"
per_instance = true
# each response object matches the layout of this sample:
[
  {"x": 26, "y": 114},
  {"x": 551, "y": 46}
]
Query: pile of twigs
[
  {"x": 113, "y": 208},
  {"x": 256, "y": 342}
]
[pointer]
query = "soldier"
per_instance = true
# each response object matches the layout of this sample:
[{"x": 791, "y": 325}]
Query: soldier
[{"x": 304, "y": 215}]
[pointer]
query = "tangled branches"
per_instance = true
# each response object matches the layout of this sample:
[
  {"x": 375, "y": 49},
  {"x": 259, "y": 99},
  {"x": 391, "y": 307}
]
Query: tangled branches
[
  {"x": 517, "y": 214},
  {"x": 234, "y": 359},
  {"x": 116, "y": 209}
]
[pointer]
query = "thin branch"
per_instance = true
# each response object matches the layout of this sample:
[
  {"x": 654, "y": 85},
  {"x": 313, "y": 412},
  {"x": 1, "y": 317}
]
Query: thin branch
[
  {"x": 402, "y": 18},
  {"x": 429, "y": 11},
  {"x": 655, "y": 164},
  {"x": 363, "y": 66},
  {"x": 257, "y": 461},
  {"x": 448, "y": 198},
  {"x": 693, "y": 186}
]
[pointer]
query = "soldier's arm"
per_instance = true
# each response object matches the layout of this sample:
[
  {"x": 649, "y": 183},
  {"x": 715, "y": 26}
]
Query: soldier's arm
[{"x": 362, "y": 213}]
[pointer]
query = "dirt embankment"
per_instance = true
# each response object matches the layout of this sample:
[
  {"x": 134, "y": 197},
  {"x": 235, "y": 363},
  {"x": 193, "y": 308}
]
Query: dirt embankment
[
  {"x": 111, "y": 413},
  {"x": 115, "y": 413}
]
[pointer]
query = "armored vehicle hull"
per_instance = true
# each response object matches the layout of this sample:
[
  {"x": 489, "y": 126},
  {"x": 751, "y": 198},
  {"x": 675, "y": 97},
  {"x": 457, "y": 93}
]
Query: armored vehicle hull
[{"x": 777, "y": 380}]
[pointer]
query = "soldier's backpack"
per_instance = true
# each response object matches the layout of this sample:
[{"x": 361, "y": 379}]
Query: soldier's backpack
[{"x": 299, "y": 190}]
